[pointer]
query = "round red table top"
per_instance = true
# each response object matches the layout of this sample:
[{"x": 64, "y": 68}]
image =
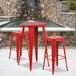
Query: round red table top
[{"x": 33, "y": 24}]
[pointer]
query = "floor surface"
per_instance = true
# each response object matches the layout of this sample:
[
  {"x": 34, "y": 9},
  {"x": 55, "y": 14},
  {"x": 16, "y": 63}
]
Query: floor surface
[{"x": 9, "y": 67}]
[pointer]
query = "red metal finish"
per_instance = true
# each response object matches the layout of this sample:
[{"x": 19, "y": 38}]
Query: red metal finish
[
  {"x": 65, "y": 54},
  {"x": 46, "y": 53},
  {"x": 21, "y": 40},
  {"x": 33, "y": 24},
  {"x": 18, "y": 41},
  {"x": 54, "y": 41},
  {"x": 36, "y": 42},
  {"x": 17, "y": 45},
  {"x": 56, "y": 53},
  {"x": 53, "y": 54},
  {"x": 33, "y": 34},
  {"x": 11, "y": 46}
]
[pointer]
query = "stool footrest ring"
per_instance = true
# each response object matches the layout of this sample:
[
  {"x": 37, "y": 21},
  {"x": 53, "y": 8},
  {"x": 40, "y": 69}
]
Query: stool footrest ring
[{"x": 58, "y": 59}]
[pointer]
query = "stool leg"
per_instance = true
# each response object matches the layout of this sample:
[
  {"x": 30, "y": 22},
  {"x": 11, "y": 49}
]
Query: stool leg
[
  {"x": 20, "y": 47},
  {"x": 65, "y": 54},
  {"x": 53, "y": 55},
  {"x": 11, "y": 46},
  {"x": 26, "y": 43},
  {"x": 57, "y": 54},
  {"x": 17, "y": 46},
  {"x": 22, "y": 39},
  {"x": 26, "y": 40},
  {"x": 45, "y": 55}
]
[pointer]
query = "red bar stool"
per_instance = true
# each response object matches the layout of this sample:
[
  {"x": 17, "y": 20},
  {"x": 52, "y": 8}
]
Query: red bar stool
[
  {"x": 18, "y": 42},
  {"x": 54, "y": 43}
]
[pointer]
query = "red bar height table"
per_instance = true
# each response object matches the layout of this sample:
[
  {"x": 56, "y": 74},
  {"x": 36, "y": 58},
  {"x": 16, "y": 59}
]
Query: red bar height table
[{"x": 33, "y": 35}]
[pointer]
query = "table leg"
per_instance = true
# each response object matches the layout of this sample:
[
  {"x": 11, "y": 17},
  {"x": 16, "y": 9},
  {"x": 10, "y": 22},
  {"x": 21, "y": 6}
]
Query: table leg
[
  {"x": 36, "y": 42},
  {"x": 18, "y": 50},
  {"x": 31, "y": 36},
  {"x": 21, "y": 41},
  {"x": 45, "y": 41},
  {"x": 53, "y": 55}
]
